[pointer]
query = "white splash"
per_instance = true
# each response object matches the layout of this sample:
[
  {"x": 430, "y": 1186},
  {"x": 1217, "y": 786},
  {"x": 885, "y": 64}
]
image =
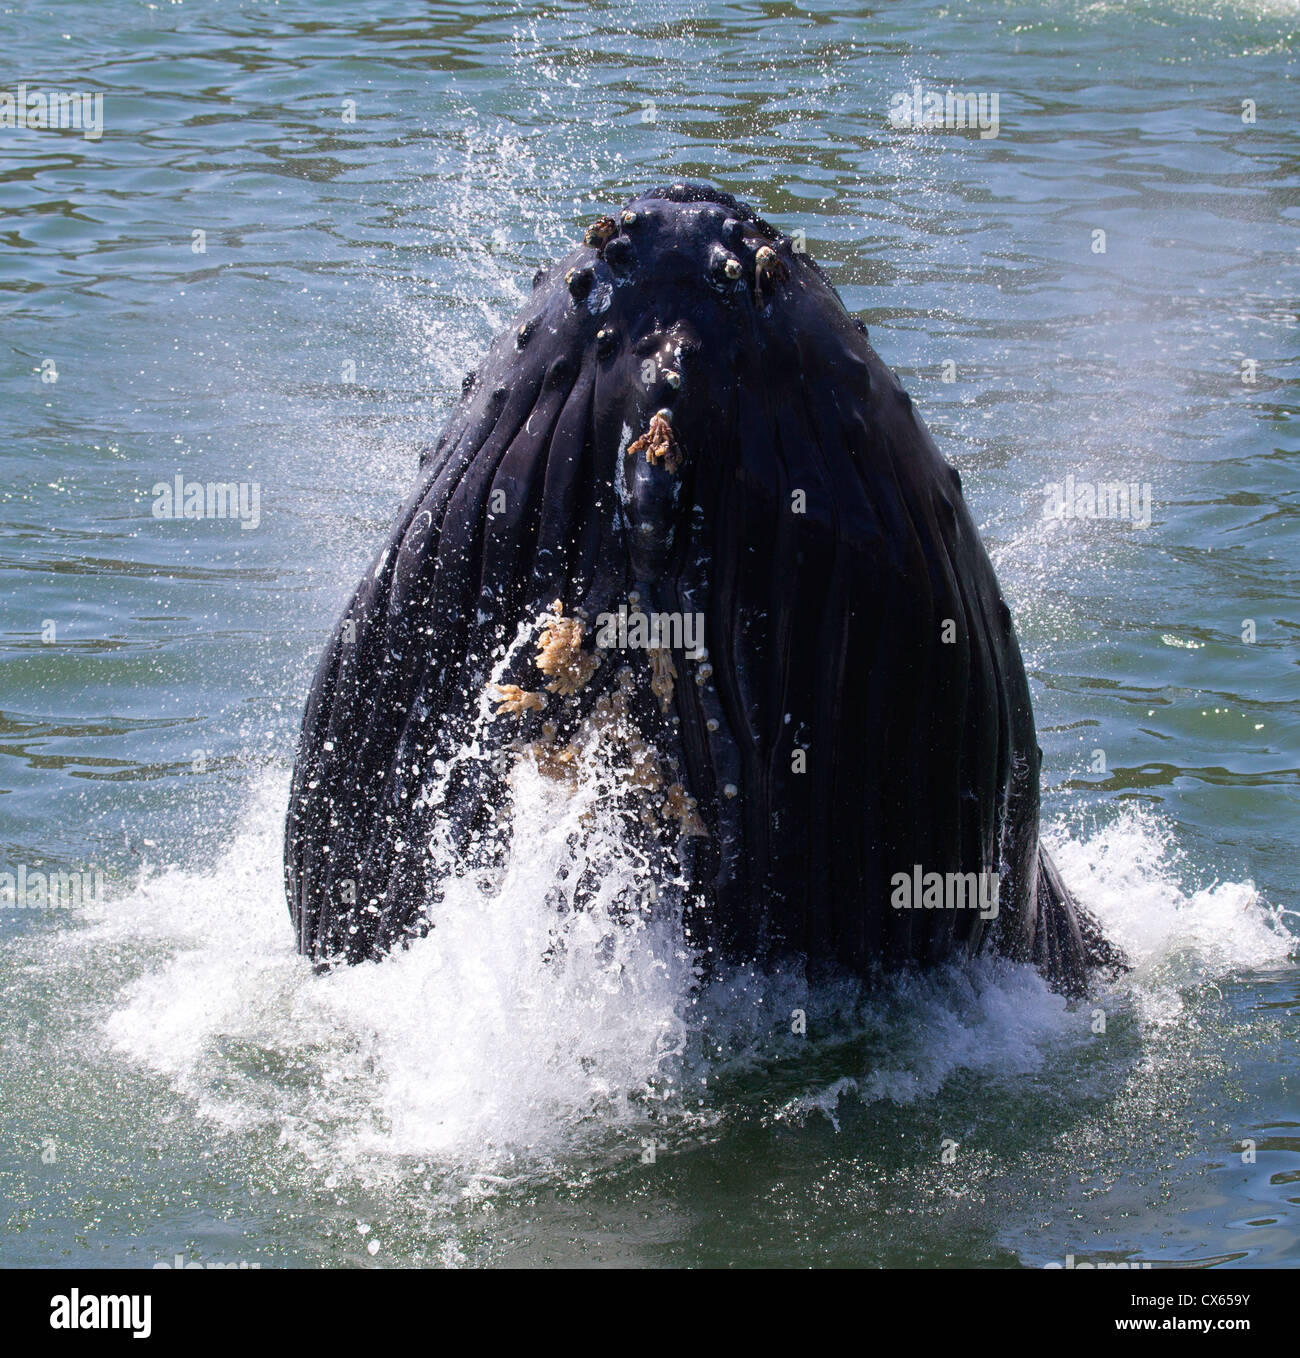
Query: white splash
[
  {"x": 514, "y": 1034},
  {"x": 513, "y": 1029}
]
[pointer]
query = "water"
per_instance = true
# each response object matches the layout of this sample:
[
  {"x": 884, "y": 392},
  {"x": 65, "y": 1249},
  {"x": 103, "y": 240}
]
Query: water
[{"x": 174, "y": 1081}]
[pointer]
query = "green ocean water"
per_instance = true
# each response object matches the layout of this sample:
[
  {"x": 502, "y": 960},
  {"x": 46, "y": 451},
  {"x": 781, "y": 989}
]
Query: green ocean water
[{"x": 373, "y": 186}]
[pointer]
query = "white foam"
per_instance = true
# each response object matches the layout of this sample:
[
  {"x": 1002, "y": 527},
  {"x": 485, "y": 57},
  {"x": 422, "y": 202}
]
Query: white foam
[
  {"x": 993, "y": 1019},
  {"x": 512, "y": 1034},
  {"x": 1130, "y": 874},
  {"x": 1176, "y": 938},
  {"x": 510, "y": 1030}
]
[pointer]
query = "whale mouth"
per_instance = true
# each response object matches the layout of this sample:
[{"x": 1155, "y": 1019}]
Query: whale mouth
[{"x": 685, "y": 428}]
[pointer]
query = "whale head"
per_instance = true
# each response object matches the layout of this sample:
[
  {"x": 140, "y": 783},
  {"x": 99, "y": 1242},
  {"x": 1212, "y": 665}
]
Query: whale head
[{"x": 685, "y": 421}]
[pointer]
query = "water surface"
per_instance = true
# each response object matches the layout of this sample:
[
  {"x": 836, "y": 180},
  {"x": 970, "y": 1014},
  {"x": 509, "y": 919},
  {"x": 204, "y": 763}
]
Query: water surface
[{"x": 375, "y": 185}]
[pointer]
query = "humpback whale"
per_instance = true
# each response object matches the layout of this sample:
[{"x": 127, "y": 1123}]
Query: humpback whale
[{"x": 684, "y": 516}]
